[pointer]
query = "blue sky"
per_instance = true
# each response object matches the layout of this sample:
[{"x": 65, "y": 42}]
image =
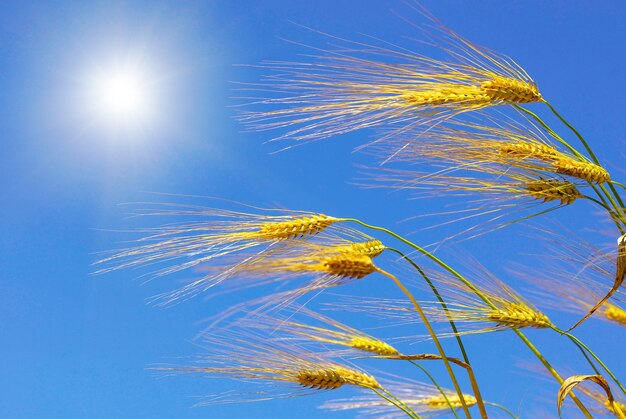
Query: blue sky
[{"x": 76, "y": 345}]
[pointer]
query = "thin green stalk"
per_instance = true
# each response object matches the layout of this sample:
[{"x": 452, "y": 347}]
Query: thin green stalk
[
  {"x": 589, "y": 361},
  {"x": 432, "y": 380},
  {"x": 389, "y": 397},
  {"x": 580, "y": 137},
  {"x": 433, "y": 335},
  {"x": 620, "y": 184},
  {"x": 596, "y": 201},
  {"x": 474, "y": 383},
  {"x": 441, "y": 263}
]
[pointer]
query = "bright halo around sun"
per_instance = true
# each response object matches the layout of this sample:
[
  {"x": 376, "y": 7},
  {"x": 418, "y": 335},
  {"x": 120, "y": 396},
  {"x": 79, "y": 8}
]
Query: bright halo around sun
[{"x": 121, "y": 97}]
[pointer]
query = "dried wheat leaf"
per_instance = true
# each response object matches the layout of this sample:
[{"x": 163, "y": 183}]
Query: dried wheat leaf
[
  {"x": 620, "y": 274},
  {"x": 571, "y": 382}
]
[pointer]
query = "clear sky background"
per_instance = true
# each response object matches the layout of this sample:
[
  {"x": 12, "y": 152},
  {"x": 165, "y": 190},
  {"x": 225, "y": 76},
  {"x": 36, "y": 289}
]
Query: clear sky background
[{"x": 74, "y": 345}]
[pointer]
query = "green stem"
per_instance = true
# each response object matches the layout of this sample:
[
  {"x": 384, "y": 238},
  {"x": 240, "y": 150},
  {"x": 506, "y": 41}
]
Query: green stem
[
  {"x": 433, "y": 335},
  {"x": 619, "y": 206},
  {"x": 589, "y": 361},
  {"x": 441, "y": 263},
  {"x": 474, "y": 383},
  {"x": 602, "y": 204},
  {"x": 432, "y": 380}
]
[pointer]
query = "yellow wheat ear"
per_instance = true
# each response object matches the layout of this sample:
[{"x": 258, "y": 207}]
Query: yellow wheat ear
[
  {"x": 439, "y": 403},
  {"x": 420, "y": 397},
  {"x": 214, "y": 233},
  {"x": 300, "y": 324},
  {"x": 362, "y": 86},
  {"x": 294, "y": 228},
  {"x": 334, "y": 377},
  {"x": 489, "y": 144},
  {"x": 553, "y": 190},
  {"x": 250, "y": 357},
  {"x": 322, "y": 264},
  {"x": 507, "y": 308},
  {"x": 614, "y": 313},
  {"x": 514, "y": 314}
]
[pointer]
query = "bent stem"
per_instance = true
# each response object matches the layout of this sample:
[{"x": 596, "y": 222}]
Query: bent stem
[
  {"x": 433, "y": 335},
  {"x": 441, "y": 263},
  {"x": 580, "y": 344},
  {"x": 499, "y": 406},
  {"x": 474, "y": 383},
  {"x": 466, "y": 366},
  {"x": 389, "y": 397}
]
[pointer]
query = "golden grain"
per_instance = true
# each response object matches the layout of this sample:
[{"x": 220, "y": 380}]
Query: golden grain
[
  {"x": 614, "y": 313},
  {"x": 348, "y": 265},
  {"x": 459, "y": 95},
  {"x": 371, "y": 248},
  {"x": 511, "y": 90},
  {"x": 518, "y": 315},
  {"x": 527, "y": 149},
  {"x": 581, "y": 170},
  {"x": 439, "y": 403},
  {"x": 334, "y": 377},
  {"x": 372, "y": 345},
  {"x": 553, "y": 190},
  {"x": 296, "y": 228}
]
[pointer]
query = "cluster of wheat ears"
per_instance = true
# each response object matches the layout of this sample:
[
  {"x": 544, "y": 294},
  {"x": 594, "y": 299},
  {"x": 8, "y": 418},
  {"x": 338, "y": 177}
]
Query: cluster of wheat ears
[{"x": 463, "y": 121}]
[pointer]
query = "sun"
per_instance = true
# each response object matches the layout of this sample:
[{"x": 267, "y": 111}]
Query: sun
[{"x": 121, "y": 96}]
